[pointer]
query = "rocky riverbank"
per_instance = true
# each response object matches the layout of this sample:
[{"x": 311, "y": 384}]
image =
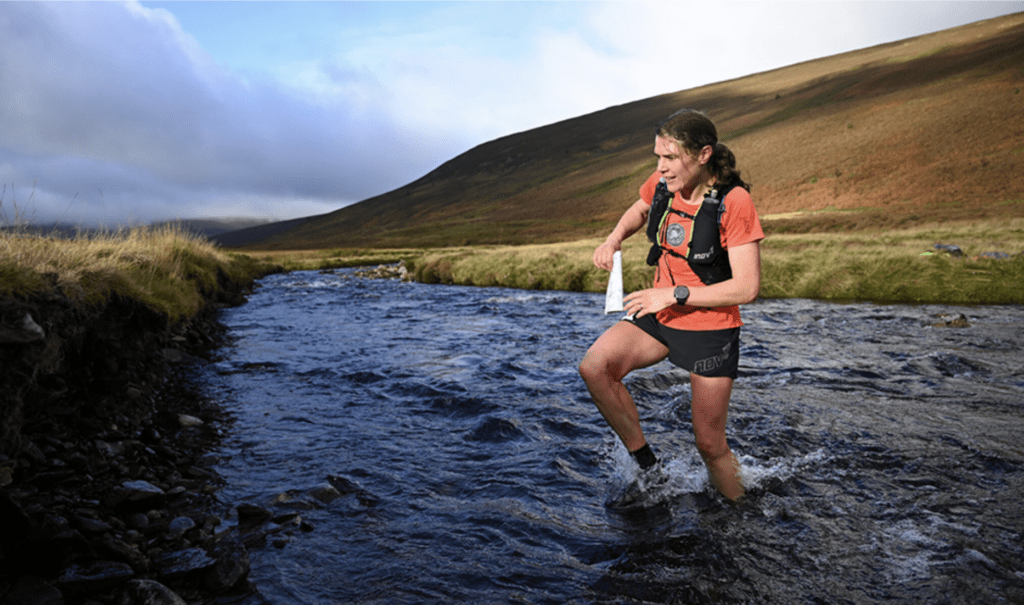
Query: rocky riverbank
[{"x": 106, "y": 490}]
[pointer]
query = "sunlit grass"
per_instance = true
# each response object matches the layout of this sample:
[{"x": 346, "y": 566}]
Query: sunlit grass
[
  {"x": 331, "y": 258},
  {"x": 167, "y": 269},
  {"x": 884, "y": 267}
]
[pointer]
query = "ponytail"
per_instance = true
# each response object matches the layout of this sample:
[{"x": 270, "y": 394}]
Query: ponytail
[{"x": 723, "y": 166}]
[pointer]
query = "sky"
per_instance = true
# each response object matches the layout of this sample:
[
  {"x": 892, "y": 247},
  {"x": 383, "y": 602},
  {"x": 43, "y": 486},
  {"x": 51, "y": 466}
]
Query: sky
[{"x": 126, "y": 113}]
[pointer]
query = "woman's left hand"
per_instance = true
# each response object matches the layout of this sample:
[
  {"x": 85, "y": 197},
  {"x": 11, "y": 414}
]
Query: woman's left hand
[{"x": 651, "y": 300}]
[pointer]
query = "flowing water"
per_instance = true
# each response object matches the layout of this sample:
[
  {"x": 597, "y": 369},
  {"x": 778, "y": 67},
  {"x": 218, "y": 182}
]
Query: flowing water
[{"x": 883, "y": 455}]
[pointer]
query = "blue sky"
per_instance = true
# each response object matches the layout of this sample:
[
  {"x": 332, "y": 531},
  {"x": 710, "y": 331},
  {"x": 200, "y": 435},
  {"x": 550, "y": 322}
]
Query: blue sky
[{"x": 131, "y": 112}]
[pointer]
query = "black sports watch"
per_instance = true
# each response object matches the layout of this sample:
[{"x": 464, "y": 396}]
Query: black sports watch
[{"x": 682, "y": 293}]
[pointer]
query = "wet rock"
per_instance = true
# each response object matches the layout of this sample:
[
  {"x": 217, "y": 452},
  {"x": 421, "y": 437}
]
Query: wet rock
[
  {"x": 124, "y": 552},
  {"x": 251, "y": 514},
  {"x": 296, "y": 499},
  {"x": 138, "y": 521},
  {"x": 232, "y": 565},
  {"x": 957, "y": 322},
  {"x": 135, "y": 493},
  {"x": 347, "y": 486},
  {"x": 177, "y": 528},
  {"x": 88, "y": 525},
  {"x": 325, "y": 493},
  {"x": 108, "y": 450},
  {"x": 147, "y": 592},
  {"x": 187, "y": 421},
  {"x": 178, "y": 564},
  {"x": 23, "y": 330},
  {"x": 31, "y": 591},
  {"x": 396, "y": 271},
  {"x": 94, "y": 577}
]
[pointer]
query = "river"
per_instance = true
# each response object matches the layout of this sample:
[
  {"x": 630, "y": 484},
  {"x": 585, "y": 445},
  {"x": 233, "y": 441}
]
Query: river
[{"x": 884, "y": 456}]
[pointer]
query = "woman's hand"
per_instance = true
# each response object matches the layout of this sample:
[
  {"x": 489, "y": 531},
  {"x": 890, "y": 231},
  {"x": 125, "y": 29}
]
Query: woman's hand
[
  {"x": 604, "y": 255},
  {"x": 651, "y": 300}
]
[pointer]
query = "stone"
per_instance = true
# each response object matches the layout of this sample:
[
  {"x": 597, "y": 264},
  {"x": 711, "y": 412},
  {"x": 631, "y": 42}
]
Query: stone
[
  {"x": 32, "y": 591},
  {"x": 175, "y": 565},
  {"x": 187, "y": 421},
  {"x": 251, "y": 514},
  {"x": 94, "y": 577},
  {"x": 23, "y": 331},
  {"x": 954, "y": 251},
  {"x": 325, "y": 493},
  {"x": 232, "y": 566},
  {"x": 147, "y": 592},
  {"x": 125, "y": 552},
  {"x": 958, "y": 322},
  {"x": 87, "y": 525},
  {"x": 141, "y": 490},
  {"x": 179, "y": 526}
]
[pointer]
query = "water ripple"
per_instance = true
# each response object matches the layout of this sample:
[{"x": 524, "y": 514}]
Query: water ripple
[{"x": 882, "y": 454}]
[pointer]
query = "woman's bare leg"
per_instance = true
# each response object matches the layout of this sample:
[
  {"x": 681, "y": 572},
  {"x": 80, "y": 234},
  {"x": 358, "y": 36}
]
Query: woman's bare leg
[
  {"x": 710, "y": 414},
  {"x": 620, "y": 350}
]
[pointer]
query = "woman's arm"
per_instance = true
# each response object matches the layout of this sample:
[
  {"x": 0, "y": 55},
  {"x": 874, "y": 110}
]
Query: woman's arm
[
  {"x": 742, "y": 288},
  {"x": 632, "y": 221}
]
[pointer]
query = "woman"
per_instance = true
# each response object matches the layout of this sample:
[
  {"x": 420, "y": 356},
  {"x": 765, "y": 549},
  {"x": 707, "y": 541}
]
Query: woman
[{"x": 691, "y": 314}]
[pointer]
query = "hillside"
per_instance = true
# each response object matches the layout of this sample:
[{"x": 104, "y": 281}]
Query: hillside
[{"x": 928, "y": 129}]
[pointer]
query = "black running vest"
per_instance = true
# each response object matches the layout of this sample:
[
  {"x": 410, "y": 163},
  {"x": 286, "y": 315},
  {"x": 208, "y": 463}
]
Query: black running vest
[{"x": 705, "y": 254}]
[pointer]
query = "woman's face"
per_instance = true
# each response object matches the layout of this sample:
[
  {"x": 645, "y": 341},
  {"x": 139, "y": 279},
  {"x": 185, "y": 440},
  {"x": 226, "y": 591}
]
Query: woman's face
[{"x": 680, "y": 169}]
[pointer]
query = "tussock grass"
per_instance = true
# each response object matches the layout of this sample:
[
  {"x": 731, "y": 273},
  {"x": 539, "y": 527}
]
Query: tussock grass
[
  {"x": 899, "y": 266},
  {"x": 882, "y": 267},
  {"x": 168, "y": 269},
  {"x": 331, "y": 258},
  {"x": 567, "y": 266}
]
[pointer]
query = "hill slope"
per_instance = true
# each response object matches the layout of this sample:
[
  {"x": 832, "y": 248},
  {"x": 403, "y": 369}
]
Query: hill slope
[{"x": 928, "y": 128}]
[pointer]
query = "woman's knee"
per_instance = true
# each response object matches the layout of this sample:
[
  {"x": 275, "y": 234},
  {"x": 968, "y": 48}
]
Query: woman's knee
[{"x": 593, "y": 368}]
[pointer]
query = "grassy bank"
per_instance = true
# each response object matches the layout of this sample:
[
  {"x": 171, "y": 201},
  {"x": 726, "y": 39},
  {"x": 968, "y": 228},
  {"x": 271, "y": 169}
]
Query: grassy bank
[
  {"x": 331, "y": 258},
  {"x": 169, "y": 270},
  {"x": 883, "y": 267}
]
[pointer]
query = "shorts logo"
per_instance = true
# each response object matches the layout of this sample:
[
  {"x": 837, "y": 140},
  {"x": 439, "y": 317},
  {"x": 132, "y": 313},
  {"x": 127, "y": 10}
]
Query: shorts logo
[
  {"x": 675, "y": 234},
  {"x": 706, "y": 365}
]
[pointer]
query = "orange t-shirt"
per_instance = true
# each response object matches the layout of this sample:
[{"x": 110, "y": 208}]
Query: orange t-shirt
[{"x": 740, "y": 225}]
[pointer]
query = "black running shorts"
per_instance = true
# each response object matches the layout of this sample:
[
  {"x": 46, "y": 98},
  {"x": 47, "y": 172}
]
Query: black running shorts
[{"x": 706, "y": 353}]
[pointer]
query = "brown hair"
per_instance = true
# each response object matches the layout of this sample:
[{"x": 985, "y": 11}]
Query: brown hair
[{"x": 693, "y": 130}]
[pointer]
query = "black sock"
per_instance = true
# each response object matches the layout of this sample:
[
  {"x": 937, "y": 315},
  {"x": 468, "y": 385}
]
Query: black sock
[{"x": 644, "y": 457}]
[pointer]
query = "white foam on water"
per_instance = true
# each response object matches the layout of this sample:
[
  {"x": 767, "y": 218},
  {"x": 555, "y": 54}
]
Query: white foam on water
[{"x": 755, "y": 473}]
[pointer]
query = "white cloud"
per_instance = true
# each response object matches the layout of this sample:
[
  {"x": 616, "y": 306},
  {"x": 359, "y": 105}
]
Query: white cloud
[
  {"x": 113, "y": 112},
  {"x": 115, "y": 107}
]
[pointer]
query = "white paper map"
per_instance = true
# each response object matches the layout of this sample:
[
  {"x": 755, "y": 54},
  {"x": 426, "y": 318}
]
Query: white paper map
[{"x": 613, "y": 297}]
